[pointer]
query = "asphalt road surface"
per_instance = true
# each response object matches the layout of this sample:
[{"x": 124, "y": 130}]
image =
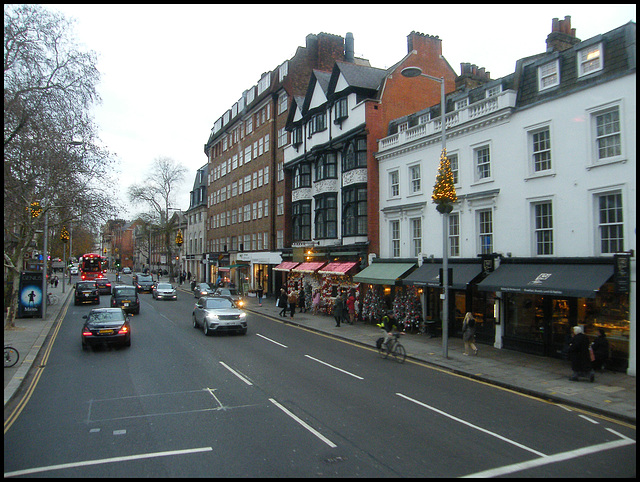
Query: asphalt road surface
[{"x": 282, "y": 401}]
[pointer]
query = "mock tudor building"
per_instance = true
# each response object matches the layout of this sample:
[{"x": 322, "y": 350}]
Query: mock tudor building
[
  {"x": 544, "y": 163},
  {"x": 335, "y": 128}
]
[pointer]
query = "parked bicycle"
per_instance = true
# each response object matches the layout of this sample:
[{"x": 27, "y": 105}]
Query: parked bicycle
[
  {"x": 52, "y": 299},
  {"x": 11, "y": 356},
  {"x": 394, "y": 348}
]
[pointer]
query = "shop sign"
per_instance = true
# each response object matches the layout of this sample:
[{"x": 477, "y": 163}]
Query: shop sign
[{"x": 622, "y": 275}]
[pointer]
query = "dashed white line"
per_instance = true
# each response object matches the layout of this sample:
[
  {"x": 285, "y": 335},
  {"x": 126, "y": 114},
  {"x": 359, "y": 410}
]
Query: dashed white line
[
  {"x": 272, "y": 341},
  {"x": 236, "y": 373},
  {"x": 304, "y": 424},
  {"x": 335, "y": 368},
  {"x": 87, "y": 463}
]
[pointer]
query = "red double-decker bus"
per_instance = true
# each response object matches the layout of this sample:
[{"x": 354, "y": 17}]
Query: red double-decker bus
[{"x": 92, "y": 266}]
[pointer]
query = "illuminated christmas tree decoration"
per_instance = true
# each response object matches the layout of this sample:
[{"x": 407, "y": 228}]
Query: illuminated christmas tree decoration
[{"x": 444, "y": 192}]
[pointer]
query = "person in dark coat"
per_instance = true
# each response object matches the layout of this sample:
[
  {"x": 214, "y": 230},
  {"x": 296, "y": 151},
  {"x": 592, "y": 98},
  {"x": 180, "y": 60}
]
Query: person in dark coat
[
  {"x": 600, "y": 348},
  {"x": 579, "y": 355},
  {"x": 282, "y": 303},
  {"x": 302, "y": 300},
  {"x": 338, "y": 308}
]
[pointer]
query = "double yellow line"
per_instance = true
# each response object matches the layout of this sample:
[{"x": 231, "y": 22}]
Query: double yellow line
[{"x": 32, "y": 386}]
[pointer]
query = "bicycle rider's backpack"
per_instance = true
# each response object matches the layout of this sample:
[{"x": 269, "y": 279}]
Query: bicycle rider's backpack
[{"x": 379, "y": 342}]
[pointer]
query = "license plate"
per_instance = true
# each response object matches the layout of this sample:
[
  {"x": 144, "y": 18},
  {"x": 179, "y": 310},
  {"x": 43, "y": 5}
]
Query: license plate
[
  {"x": 125, "y": 303},
  {"x": 106, "y": 332},
  {"x": 87, "y": 294}
]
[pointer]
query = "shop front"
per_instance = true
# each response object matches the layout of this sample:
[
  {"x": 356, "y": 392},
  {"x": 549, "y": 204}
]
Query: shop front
[
  {"x": 541, "y": 302},
  {"x": 381, "y": 284},
  {"x": 463, "y": 297}
]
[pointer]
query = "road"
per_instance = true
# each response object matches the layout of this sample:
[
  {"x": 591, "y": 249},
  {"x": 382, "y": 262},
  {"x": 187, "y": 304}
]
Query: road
[{"x": 284, "y": 402}]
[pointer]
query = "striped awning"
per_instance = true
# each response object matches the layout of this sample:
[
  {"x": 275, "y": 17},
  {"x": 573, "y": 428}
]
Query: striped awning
[
  {"x": 286, "y": 266},
  {"x": 338, "y": 268},
  {"x": 310, "y": 267}
]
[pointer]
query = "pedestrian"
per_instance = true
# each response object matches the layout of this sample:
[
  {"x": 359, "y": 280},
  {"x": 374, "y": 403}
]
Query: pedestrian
[
  {"x": 469, "y": 334},
  {"x": 356, "y": 306},
  {"x": 316, "y": 302},
  {"x": 55, "y": 281},
  {"x": 301, "y": 300},
  {"x": 260, "y": 292},
  {"x": 282, "y": 303},
  {"x": 600, "y": 348},
  {"x": 351, "y": 307},
  {"x": 579, "y": 356},
  {"x": 338, "y": 306},
  {"x": 189, "y": 276},
  {"x": 293, "y": 300}
]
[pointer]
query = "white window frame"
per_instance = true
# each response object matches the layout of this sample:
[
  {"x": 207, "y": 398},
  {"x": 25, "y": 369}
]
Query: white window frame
[
  {"x": 394, "y": 237},
  {"x": 538, "y": 230},
  {"x": 416, "y": 236},
  {"x": 598, "y": 225},
  {"x": 549, "y": 75},
  {"x": 283, "y": 102},
  {"x": 394, "y": 184},
  {"x": 476, "y": 172},
  {"x": 415, "y": 183},
  {"x": 480, "y": 225},
  {"x": 454, "y": 234},
  {"x": 594, "y": 137},
  {"x": 588, "y": 61}
]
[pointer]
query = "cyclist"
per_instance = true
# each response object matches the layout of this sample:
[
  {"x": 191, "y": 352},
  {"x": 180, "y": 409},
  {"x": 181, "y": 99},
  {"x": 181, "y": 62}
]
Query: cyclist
[{"x": 387, "y": 324}]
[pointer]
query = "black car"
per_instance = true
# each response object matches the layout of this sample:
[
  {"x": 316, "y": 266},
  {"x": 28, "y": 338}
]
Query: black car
[
  {"x": 144, "y": 282},
  {"x": 125, "y": 297},
  {"x": 104, "y": 286},
  {"x": 87, "y": 291},
  {"x": 203, "y": 289},
  {"x": 106, "y": 326}
]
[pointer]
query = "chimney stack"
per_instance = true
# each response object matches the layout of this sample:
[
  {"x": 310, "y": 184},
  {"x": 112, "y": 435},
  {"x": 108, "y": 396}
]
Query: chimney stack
[
  {"x": 562, "y": 36},
  {"x": 349, "y": 55},
  {"x": 471, "y": 76}
]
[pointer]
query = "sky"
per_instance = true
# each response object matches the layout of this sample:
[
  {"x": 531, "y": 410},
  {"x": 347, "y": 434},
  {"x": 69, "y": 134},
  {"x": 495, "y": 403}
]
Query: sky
[{"x": 168, "y": 72}]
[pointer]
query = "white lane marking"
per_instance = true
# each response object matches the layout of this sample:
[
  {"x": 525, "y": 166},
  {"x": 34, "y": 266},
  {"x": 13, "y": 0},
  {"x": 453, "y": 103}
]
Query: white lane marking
[
  {"x": 304, "y": 424},
  {"x": 589, "y": 419},
  {"x": 572, "y": 454},
  {"x": 87, "y": 463},
  {"x": 236, "y": 373},
  {"x": 335, "y": 368},
  {"x": 272, "y": 341},
  {"x": 216, "y": 398},
  {"x": 524, "y": 447}
]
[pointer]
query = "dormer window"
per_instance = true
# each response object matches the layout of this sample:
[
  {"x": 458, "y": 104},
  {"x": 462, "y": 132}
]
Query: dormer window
[
  {"x": 493, "y": 91},
  {"x": 548, "y": 75},
  {"x": 424, "y": 118},
  {"x": 461, "y": 104},
  {"x": 403, "y": 127},
  {"x": 590, "y": 60}
]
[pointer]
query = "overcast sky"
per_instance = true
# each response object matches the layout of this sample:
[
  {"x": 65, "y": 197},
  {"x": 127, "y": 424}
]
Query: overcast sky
[{"x": 168, "y": 72}]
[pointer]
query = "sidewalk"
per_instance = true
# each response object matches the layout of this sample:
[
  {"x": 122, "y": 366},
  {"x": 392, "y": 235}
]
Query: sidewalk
[
  {"x": 612, "y": 394},
  {"x": 28, "y": 337}
]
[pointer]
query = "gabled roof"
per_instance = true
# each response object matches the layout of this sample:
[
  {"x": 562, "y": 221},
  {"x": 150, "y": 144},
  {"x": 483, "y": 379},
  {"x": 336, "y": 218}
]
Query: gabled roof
[
  {"x": 359, "y": 77},
  {"x": 294, "y": 109},
  {"x": 319, "y": 78}
]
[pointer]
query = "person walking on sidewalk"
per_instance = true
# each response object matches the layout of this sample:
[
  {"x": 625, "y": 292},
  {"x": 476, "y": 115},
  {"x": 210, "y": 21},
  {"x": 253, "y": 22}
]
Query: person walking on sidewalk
[
  {"x": 469, "y": 334},
  {"x": 316, "y": 302},
  {"x": 293, "y": 301},
  {"x": 282, "y": 303},
  {"x": 301, "y": 300},
  {"x": 351, "y": 307},
  {"x": 600, "y": 350},
  {"x": 579, "y": 356},
  {"x": 260, "y": 293},
  {"x": 338, "y": 307}
]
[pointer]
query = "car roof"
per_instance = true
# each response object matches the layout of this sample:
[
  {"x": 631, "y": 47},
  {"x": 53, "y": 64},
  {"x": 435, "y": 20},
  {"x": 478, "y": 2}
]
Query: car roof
[{"x": 124, "y": 286}]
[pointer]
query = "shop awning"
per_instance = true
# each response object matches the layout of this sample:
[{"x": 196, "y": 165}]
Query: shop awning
[
  {"x": 286, "y": 266},
  {"x": 576, "y": 280},
  {"x": 429, "y": 275},
  {"x": 383, "y": 273},
  {"x": 338, "y": 268},
  {"x": 239, "y": 265},
  {"x": 310, "y": 267}
]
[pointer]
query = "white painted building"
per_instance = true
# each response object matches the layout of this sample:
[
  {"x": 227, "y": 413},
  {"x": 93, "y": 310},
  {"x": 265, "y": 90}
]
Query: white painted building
[{"x": 544, "y": 162}]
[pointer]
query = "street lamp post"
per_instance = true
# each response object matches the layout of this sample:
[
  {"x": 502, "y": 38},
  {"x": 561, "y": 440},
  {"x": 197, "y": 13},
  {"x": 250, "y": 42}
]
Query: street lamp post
[{"x": 444, "y": 209}]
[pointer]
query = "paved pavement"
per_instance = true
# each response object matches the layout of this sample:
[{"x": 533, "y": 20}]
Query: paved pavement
[{"x": 612, "y": 394}]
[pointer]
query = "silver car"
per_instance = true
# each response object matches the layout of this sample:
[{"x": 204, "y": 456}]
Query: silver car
[
  {"x": 164, "y": 291},
  {"x": 218, "y": 315}
]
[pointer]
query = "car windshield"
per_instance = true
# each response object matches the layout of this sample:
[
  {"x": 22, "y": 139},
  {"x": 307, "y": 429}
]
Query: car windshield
[
  {"x": 206, "y": 286},
  {"x": 101, "y": 316},
  {"x": 125, "y": 292},
  {"x": 165, "y": 286},
  {"x": 218, "y": 303},
  {"x": 86, "y": 286},
  {"x": 145, "y": 277}
]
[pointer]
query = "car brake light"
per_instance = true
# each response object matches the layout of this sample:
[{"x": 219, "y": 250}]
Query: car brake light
[
  {"x": 86, "y": 333},
  {"x": 123, "y": 330}
]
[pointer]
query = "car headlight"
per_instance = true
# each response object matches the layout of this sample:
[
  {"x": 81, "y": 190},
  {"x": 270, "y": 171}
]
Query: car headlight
[
  {"x": 243, "y": 315},
  {"x": 212, "y": 316}
]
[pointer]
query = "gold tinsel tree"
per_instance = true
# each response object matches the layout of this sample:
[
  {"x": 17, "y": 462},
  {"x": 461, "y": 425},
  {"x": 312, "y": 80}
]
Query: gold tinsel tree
[{"x": 444, "y": 192}]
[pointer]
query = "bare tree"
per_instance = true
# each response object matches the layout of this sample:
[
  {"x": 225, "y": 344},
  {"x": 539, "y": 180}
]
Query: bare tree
[
  {"x": 52, "y": 154},
  {"x": 158, "y": 193}
]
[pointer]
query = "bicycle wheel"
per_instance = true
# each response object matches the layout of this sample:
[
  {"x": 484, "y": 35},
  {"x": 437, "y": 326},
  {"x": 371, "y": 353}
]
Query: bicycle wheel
[
  {"x": 399, "y": 353},
  {"x": 382, "y": 351},
  {"x": 11, "y": 356}
]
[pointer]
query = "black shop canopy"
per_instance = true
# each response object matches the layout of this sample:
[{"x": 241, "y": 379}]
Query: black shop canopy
[
  {"x": 574, "y": 280},
  {"x": 429, "y": 275}
]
